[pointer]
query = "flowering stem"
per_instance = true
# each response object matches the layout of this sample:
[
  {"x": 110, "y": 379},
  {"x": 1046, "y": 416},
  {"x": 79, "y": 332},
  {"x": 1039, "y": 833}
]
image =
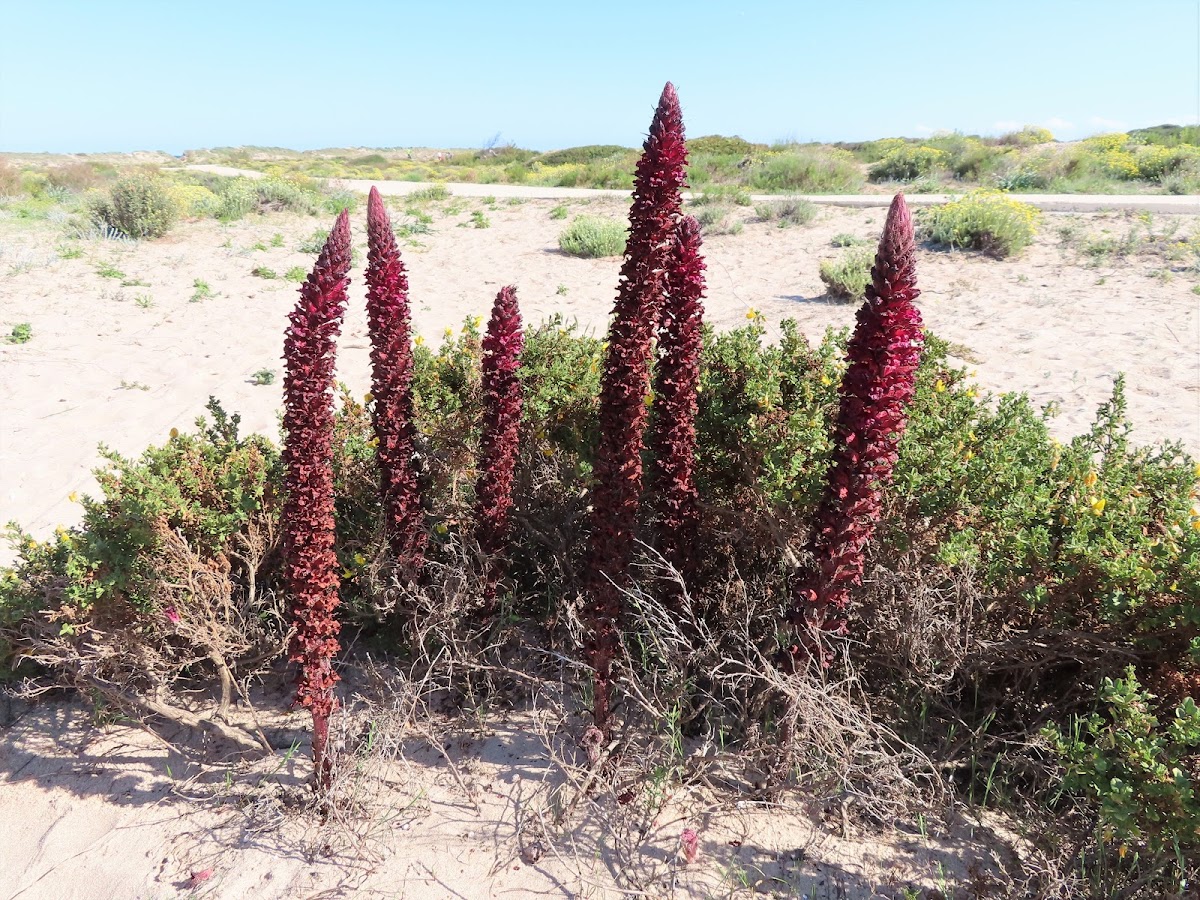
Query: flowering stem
[
  {"x": 673, "y": 433},
  {"x": 499, "y": 444},
  {"x": 388, "y": 320},
  {"x": 310, "y": 563},
  {"x": 883, "y": 356},
  {"x": 623, "y": 388}
]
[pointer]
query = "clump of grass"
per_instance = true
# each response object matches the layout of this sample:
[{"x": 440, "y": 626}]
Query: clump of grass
[
  {"x": 722, "y": 194},
  {"x": 984, "y": 220},
  {"x": 264, "y": 272},
  {"x": 144, "y": 301},
  {"x": 108, "y": 270},
  {"x": 718, "y": 220},
  {"x": 21, "y": 333},
  {"x": 559, "y": 212},
  {"x": 70, "y": 252},
  {"x": 592, "y": 237},
  {"x": 201, "y": 291},
  {"x": 479, "y": 220},
  {"x": 295, "y": 273},
  {"x": 847, "y": 276},
  {"x": 845, "y": 239},
  {"x": 262, "y": 377},
  {"x": 433, "y": 192},
  {"x": 787, "y": 212}
]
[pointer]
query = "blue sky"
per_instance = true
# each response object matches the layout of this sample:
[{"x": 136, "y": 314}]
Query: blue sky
[{"x": 119, "y": 76}]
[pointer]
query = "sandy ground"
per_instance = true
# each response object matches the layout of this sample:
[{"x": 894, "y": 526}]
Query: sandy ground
[{"x": 96, "y": 814}]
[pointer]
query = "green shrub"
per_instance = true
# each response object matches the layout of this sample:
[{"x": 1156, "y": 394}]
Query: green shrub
[
  {"x": 581, "y": 155},
  {"x": 983, "y": 220},
  {"x": 719, "y": 145},
  {"x": 787, "y": 212},
  {"x": 592, "y": 237},
  {"x": 807, "y": 170},
  {"x": 138, "y": 206},
  {"x": 848, "y": 275},
  {"x": 1140, "y": 772},
  {"x": 906, "y": 163},
  {"x": 10, "y": 179}
]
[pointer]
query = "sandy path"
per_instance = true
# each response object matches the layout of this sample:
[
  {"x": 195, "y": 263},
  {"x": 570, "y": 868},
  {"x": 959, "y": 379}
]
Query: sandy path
[
  {"x": 123, "y": 364},
  {"x": 1048, "y": 202}
]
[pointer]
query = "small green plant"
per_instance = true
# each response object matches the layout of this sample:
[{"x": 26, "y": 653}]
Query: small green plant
[
  {"x": 70, "y": 252},
  {"x": 277, "y": 240},
  {"x": 559, "y": 212},
  {"x": 201, "y": 291},
  {"x": 21, "y": 333},
  {"x": 264, "y": 272},
  {"x": 561, "y": 290},
  {"x": 479, "y": 220},
  {"x": 133, "y": 386},
  {"x": 984, "y": 220},
  {"x": 262, "y": 377},
  {"x": 787, "y": 212},
  {"x": 296, "y": 273},
  {"x": 314, "y": 242},
  {"x": 847, "y": 276},
  {"x": 592, "y": 237},
  {"x": 144, "y": 301},
  {"x": 134, "y": 282},
  {"x": 108, "y": 270}
]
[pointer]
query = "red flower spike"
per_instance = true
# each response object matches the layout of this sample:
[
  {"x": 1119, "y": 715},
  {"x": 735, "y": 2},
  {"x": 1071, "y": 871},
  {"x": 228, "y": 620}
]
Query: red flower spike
[
  {"x": 389, "y": 322},
  {"x": 883, "y": 356},
  {"x": 310, "y": 563},
  {"x": 624, "y": 384},
  {"x": 673, "y": 432},
  {"x": 502, "y": 346}
]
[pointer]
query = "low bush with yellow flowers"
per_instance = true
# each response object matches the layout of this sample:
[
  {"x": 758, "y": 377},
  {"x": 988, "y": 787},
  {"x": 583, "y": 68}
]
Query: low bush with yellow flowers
[{"x": 985, "y": 220}]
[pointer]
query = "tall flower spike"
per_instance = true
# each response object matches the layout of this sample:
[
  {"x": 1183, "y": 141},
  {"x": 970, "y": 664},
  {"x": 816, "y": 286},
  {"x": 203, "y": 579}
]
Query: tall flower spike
[
  {"x": 623, "y": 388},
  {"x": 502, "y": 346},
  {"x": 389, "y": 322},
  {"x": 673, "y": 432},
  {"x": 883, "y": 356},
  {"x": 310, "y": 563}
]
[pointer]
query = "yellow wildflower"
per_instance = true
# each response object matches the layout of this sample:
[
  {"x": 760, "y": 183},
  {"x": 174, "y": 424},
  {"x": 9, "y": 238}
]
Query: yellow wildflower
[
  {"x": 420, "y": 340},
  {"x": 969, "y": 455},
  {"x": 359, "y": 559},
  {"x": 939, "y": 386},
  {"x": 753, "y": 314},
  {"x": 826, "y": 380},
  {"x": 73, "y": 497},
  {"x": 368, "y": 397},
  {"x": 448, "y": 333},
  {"x": 1090, "y": 479},
  {"x": 1098, "y": 506}
]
